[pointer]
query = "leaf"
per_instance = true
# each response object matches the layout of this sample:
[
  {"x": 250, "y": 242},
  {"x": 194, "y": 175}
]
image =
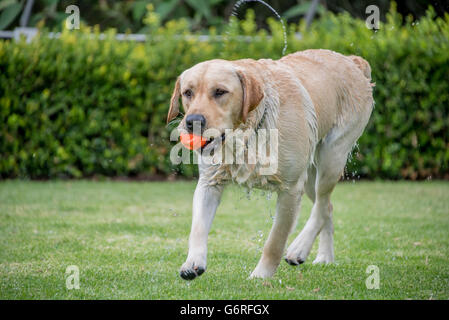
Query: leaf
[
  {"x": 6, "y": 3},
  {"x": 165, "y": 8},
  {"x": 51, "y": 2},
  {"x": 9, "y": 14},
  {"x": 297, "y": 10},
  {"x": 301, "y": 9},
  {"x": 139, "y": 9},
  {"x": 202, "y": 6}
]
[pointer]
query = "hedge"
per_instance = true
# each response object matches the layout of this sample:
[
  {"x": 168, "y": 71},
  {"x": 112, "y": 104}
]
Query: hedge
[{"x": 78, "y": 106}]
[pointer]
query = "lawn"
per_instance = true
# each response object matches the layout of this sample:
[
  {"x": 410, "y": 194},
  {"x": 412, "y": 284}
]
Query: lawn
[{"x": 129, "y": 239}]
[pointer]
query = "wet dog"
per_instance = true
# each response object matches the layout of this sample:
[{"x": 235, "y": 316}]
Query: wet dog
[{"x": 319, "y": 101}]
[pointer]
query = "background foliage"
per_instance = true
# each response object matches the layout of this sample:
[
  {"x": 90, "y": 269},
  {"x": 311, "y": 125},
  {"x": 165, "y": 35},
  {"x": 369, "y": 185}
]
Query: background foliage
[
  {"x": 126, "y": 15},
  {"x": 78, "y": 107}
]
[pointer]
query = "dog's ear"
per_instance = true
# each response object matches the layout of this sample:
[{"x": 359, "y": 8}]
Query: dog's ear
[
  {"x": 252, "y": 92},
  {"x": 174, "y": 102}
]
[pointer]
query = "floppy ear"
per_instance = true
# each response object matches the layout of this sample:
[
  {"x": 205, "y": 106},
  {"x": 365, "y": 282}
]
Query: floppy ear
[
  {"x": 252, "y": 92},
  {"x": 174, "y": 102}
]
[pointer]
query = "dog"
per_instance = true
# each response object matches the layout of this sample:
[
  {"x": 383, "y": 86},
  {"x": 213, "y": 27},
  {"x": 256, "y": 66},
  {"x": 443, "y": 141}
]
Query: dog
[{"x": 319, "y": 101}]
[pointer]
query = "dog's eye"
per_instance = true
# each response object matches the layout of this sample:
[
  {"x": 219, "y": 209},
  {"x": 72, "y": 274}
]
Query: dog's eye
[
  {"x": 188, "y": 93},
  {"x": 219, "y": 92}
]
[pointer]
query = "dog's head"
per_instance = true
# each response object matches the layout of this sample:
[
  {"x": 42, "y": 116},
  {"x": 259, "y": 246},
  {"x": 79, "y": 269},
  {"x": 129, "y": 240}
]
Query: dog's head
[{"x": 216, "y": 94}]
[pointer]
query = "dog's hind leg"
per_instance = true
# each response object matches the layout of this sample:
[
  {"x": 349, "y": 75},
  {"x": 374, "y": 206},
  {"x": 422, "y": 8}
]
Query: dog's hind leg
[
  {"x": 331, "y": 159},
  {"x": 287, "y": 208},
  {"x": 310, "y": 183}
]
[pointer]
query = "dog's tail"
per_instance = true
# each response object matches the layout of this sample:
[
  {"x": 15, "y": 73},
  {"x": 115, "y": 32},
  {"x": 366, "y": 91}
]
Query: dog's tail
[{"x": 363, "y": 65}]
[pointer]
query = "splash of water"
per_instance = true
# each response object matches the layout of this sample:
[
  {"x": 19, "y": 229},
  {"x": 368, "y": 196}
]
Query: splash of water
[
  {"x": 240, "y": 2},
  {"x": 248, "y": 192},
  {"x": 269, "y": 195},
  {"x": 347, "y": 174}
]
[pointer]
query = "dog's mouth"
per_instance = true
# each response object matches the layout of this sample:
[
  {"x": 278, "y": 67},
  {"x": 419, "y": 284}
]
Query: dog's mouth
[
  {"x": 201, "y": 141},
  {"x": 214, "y": 140}
]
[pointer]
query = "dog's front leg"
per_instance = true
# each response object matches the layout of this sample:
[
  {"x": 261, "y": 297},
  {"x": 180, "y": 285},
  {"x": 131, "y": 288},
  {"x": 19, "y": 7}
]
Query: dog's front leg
[
  {"x": 205, "y": 203},
  {"x": 287, "y": 208}
]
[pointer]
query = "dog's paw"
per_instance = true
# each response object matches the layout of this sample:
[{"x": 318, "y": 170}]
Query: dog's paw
[
  {"x": 262, "y": 272},
  {"x": 296, "y": 255},
  {"x": 294, "y": 262},
  {"x": 323, "y": 258},
  {"x": 190, "y": 270},
  {"x": 298, "y": 251}
]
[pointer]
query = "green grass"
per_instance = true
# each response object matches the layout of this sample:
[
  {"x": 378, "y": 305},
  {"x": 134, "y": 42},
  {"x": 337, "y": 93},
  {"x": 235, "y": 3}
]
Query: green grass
[{"x": 129, "y": 240}]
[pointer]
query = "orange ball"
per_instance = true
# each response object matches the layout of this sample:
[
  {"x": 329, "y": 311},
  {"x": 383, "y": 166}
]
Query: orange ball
[{"x": 192, "y": 141}]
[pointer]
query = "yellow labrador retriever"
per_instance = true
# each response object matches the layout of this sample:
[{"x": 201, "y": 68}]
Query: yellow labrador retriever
[{"x": 319, "y": 101}]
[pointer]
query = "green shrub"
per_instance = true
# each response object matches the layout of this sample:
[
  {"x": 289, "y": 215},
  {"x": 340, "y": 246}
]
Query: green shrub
[{"x": 78, "y": 106}]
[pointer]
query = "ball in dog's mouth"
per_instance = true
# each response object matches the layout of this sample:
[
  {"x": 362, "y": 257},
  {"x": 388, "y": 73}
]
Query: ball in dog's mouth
[{"x": 193, "y": 141}]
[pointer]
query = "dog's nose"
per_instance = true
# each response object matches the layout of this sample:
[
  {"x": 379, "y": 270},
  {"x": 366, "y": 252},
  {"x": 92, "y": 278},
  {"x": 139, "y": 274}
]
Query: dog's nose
[{"x": 194, "y": 121}]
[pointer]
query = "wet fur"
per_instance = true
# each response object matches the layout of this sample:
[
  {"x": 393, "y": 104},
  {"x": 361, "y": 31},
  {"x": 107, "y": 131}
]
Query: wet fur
[{"x": 320, "y": 101}]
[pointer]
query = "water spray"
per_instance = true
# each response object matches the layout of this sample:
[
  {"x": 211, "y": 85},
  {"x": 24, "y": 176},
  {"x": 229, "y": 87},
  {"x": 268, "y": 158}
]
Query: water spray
[{"x": 240, "y": 2}]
